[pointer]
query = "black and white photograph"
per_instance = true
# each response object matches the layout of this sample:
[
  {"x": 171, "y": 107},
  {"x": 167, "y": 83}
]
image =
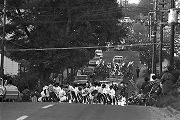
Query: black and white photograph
[{"x": 89, "y": 59}]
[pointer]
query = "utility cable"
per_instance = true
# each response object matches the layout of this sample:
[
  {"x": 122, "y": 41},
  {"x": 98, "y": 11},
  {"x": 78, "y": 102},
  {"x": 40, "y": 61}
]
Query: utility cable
[{"x": 73, "y": 48}]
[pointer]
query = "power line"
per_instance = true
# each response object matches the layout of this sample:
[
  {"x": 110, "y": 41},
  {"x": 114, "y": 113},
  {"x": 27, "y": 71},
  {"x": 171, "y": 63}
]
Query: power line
[
  {"x": 66, "y": 21},
  {"x": 73, "y": 48},
  {"x": 62, "y": 7}
]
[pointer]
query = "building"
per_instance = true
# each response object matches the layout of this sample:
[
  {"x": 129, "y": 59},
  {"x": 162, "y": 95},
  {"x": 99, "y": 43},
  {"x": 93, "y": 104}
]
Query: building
[{"x": 10, "y": 66}]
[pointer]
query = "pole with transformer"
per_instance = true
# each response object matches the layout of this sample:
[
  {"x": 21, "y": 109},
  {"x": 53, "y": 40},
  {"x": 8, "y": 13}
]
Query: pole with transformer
[{"x": 3, "y": 41}]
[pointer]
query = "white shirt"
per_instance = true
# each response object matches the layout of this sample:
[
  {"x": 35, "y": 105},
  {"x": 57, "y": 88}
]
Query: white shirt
[
  {"x": 57, "y": 89},
  {"x": 70, "y": 88},
  {"x": 104, "y": 91},
  {"x": 98, "y": 88},
  {"x": 92, "y": 88},
  {"x": 112, "y": 92},
  {"x": 76, "y": 90},
  {"x": 62, "y": 93}
]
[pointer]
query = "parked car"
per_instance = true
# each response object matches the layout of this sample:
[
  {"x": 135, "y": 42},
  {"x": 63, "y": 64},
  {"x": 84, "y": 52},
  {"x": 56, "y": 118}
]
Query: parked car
[
  {"x": 8, "y": 91},
  {"x": 118, "y": 59},
  {"x": 81, "y": 80},
  {"x": 2, "y": 89},
  {"x": 88, "y": 70},
  {"x": 98, "y": 54}
]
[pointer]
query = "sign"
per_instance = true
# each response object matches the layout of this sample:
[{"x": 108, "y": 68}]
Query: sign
[
  {"x": 173, "y": 16},
  {"x": 151, "y": 76}
]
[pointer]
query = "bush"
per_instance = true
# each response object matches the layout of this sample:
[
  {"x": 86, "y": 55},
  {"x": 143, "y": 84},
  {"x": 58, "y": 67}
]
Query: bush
[{"x": 167, "y": 100}]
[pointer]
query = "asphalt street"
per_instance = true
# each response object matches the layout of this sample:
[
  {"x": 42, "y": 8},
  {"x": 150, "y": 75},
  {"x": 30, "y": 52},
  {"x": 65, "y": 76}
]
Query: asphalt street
[
  {"x": 127, "y": 55},
  {"x": 66, "y": 111}
]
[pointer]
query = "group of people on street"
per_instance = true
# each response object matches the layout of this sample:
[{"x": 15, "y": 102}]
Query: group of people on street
[
  {"x": 88, "y": 94},
  {"x": 109, "y": 94}
]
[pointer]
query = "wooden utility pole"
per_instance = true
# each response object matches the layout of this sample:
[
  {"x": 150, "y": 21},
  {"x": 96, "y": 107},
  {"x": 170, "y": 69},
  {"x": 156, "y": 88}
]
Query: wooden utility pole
[
  {"x": 125, "y": 7},
  {"x": 161, "y": 36},
  {"x": 3, "y": 41},
  {"x": 154, "y": 38},
  {"x": 172, "y": 37}
]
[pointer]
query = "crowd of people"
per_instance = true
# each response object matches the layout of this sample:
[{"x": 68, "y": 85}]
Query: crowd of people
[{"x": 96, "y": 93}]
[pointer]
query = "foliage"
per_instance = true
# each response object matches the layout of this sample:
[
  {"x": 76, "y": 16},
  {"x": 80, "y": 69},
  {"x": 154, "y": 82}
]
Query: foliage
[{"x": 36, "y": 24}]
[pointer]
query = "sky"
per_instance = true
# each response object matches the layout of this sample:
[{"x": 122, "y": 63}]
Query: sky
[
  {"x": 131, "y": 1},
  {"x": 134, "y": 1}
]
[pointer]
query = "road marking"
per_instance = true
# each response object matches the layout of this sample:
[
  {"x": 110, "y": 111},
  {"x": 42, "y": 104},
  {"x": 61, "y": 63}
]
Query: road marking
[
  {"x": 48, "y": 106},
  {"x": 22, "y": 117}
]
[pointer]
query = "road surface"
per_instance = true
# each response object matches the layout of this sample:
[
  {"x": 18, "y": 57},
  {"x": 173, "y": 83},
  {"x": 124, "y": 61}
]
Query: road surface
[{"x": 66, "y": 111}]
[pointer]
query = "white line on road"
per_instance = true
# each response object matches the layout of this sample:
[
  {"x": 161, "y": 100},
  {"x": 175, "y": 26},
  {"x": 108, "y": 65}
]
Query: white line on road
[
  {"x": 48, "y": 106},
  {"x": 22, "y": 117}
]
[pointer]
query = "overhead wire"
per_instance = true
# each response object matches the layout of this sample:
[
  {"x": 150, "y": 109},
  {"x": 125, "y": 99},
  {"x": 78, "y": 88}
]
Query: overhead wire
[
  {"x": 73, "y": 48},
  {"x": 62, "y": 7}
]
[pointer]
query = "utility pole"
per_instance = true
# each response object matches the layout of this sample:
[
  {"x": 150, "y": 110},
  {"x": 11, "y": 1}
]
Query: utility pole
[
  {"x": 154, "y": 38},
  {"x": 125, "y": 7},
  {"x": 3, "y": 42},
  {"x": 172, "y": 37},
  {"x": 161, "y": 36}
]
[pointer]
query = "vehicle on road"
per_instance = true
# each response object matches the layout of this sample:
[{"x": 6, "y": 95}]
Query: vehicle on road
[
  {"x": 114, "y": 80},
  {"x": 94, "y": 62},
  {"x": 88, "y": 70},
  {"x": 8, "y": 91},
  {"x": 98, "y": 54},
  {"x": 81, "y": 80},
  {"x": 2, "y": 89},
  {"x": 118, "y": 59}
]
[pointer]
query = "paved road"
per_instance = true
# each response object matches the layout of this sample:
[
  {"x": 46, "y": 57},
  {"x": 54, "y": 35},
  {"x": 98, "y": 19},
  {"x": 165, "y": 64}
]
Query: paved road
[
  {"x": 127, "y": 55},
  {"x": 65, "y": 111}
]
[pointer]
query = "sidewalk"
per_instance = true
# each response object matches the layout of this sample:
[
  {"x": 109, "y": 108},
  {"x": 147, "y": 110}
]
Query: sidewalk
[
  {"x": 175, "y": 113},
  {"x": 164, "y": 113}
]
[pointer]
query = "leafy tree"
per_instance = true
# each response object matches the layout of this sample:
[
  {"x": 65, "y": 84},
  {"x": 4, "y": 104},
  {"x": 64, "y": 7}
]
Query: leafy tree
[{"x": 60, "y": 24}]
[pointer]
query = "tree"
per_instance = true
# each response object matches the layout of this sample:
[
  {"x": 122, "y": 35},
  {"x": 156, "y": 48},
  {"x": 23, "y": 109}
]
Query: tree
[{"x": 60, "y": 24}]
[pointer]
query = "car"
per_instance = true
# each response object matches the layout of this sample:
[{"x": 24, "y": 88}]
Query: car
[
  {"x": 94, "y": 62},
  {"x": 88, "y": 70},
  {"x": 118, "y": 59},
  {"x": 114, "y": 80},
  {"x": 2, "y": 89},
  {"x": 80, "y": 82},
  {"x": 98, "y": 53},
  {"x": 8, "y": 91},
  {"x": 104, "y": 82}
]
